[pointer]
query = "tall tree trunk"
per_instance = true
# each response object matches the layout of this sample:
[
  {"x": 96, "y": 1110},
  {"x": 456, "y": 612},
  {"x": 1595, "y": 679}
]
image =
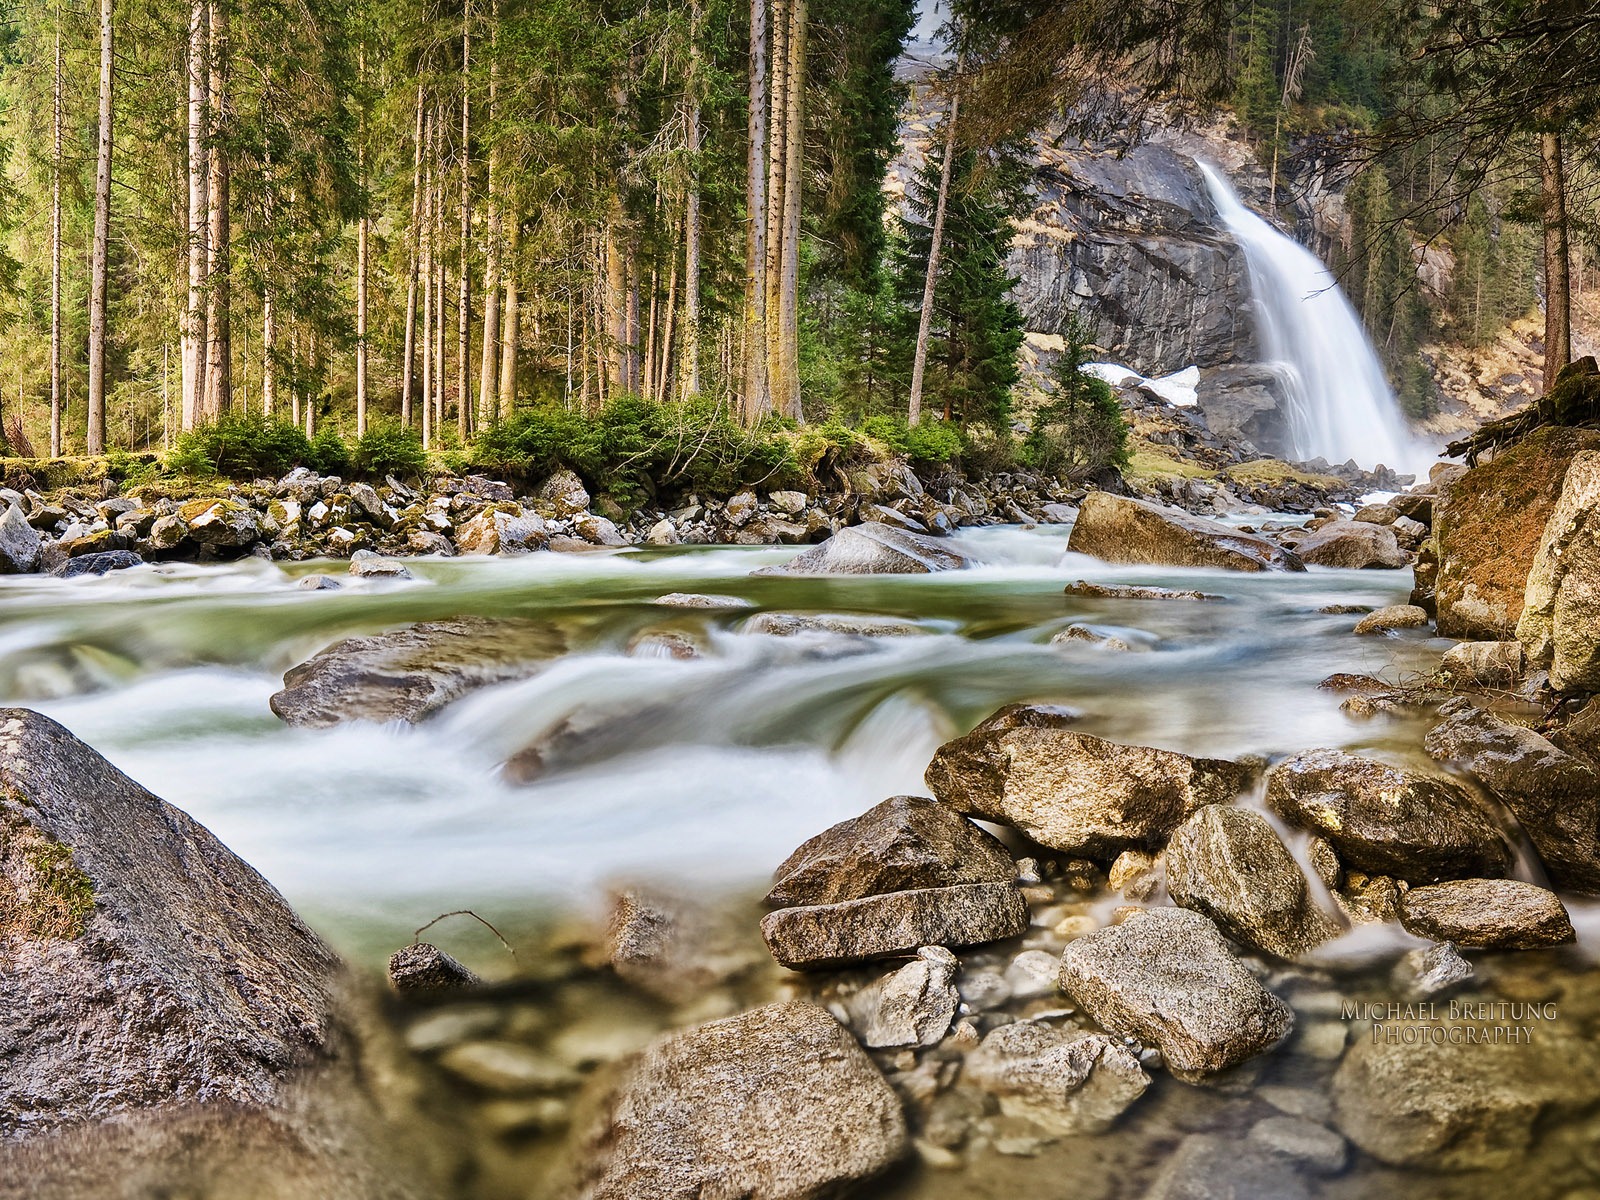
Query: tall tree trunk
[
  {"x": 510, "y": 331},
  {"x": 664, "y": 369},
  {"x": 919, "y": 360},
  {"x": 1557, "y": 258},
  {"x": 425, "y": 235},
  {"x": 691, "y": 233},
  {"x": 632, "y": 316},
  {"x": 55, "y": 249},
  {"x": 756, "y": 399},
  {"x": 413, "y": 259},
  {"x": 219, "y": 367},
  {"x": 488, "y": 358},
  {"x": 777, "y": 165},
  {"x": 616, "y": 283},
  {"x": 194, "y": 317},
  {"x": 101, "y": 262},
  {"x": 464, "y": 295},
  {"x": 793, "y": 172},
  {"x": 361, "y": 256},
  {"x": 269, "y": 349}
]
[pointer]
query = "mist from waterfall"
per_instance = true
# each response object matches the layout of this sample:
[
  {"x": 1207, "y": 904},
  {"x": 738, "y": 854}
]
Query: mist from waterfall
[{"x": 1340, "y": 405}]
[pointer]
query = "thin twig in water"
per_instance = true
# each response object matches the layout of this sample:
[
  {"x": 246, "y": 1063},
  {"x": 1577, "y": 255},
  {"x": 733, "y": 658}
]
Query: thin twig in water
[{"x": 416, "y": 935}]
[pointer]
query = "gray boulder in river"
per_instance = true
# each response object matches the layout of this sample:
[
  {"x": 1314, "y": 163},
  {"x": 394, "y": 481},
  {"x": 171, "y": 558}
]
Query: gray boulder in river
[
  {"x": 874, "y": 549},
  {"x": 1123, "y": 530},
  {"x": 778, "y": 1103},
  {"x": 1073, "y": 792}
]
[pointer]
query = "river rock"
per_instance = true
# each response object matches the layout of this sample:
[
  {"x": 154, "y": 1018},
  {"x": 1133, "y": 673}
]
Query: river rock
[
  {"x": 19, "y": 543},
  {"x": 829, "y": 935},
  {"x": 697, "y": 600},
  {"x": 1485, "y": 664},
  {"x": 1488, "y": 524},
  {"x": 1388, "y": 820},
  {"x": 1230, "y": 864},
  {"x": 1430, "y": 970},
  {"x": 1128, "y": 591},
  {"x": 777, "y": 624},
  {"x": 1070, "y": 791},
  {"x": 1391, "y": 619},
  {"x": 565, "y": 493},
  {"x": 405, "y": 674},
  {"x": 1167, "y": 977},
  {"x": 102, "y": 563},
  {"x": 1313, "y": 1146},
  {"x": 1506, "y": 914},
  {"x": 502, "y": 528},
  {"x": 144, "y": 964},
  {"x": 228, "y": 523},
  {"x": 906, "y": 842},
  {"x": 423, "y": 967},
  {"x": 1357, "y": 544},
  {"x": 1440, "y": 1102},
  {"x": 1123, "y": 530},
  {"x": 1207, "y": 1166},
  {"x": 778, "y": 1103},
  {"x": 910, "y": 1007},
  {"x": 874, "y": 550},
  {"x": 676, "y": 947},
  {"x": 1560, "y": 622},
  {"x": 367, "y": 564},
  {"x": 1554, "y": 795},
  {"x": 1064, "y": 1080}
]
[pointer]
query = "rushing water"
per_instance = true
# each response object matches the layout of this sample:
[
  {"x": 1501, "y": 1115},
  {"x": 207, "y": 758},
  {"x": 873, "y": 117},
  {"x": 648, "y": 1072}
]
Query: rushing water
[{"x": 1340, "y": 404}]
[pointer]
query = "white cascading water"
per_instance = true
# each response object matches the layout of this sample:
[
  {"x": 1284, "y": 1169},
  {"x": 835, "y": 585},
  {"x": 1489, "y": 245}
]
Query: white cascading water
[{"x": 1340, "y": 404}]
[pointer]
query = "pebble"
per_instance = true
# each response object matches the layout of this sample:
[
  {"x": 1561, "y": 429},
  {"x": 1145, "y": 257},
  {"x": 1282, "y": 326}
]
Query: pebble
[{"x": 1314, "y": 1146}]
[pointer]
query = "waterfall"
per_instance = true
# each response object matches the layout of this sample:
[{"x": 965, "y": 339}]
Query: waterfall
[{"x": 1340, "y": 405}]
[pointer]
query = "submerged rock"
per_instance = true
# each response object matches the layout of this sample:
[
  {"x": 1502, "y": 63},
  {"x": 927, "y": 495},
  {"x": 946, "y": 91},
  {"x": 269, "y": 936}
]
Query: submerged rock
[
  {"x": 1167, "y": 977},
  {"x": 778, "y": 624},
  {"x": 1554, "y": 795},
  {"x": 144, "y": 965},
  {"x": 1560, "y": 622},
  {"x": 1391, "y": 619},
  {"x": 1207, "y": 1166},
  {"x": 1230, "y": 864},
  {"x": 405, "y": 674},
  {"x": 423, "y": 967},
  {"x": 875, "y": 549},
  {"x": 1503, "y": 913},
  {"x": 1126, "y": 591},
  {"x": 1070, "y": 791},
  {"x": 1389, "y": 820},
  {"x": 675, "y": 947},
  {"x": 1064, "y": 1080},
  {"x": 906, "y": 842},
  {"x": 830, "y": 935},
  {"x": 1431, "y": 970},
  {"x": 1353, "y": 544},
  {"x": 1122, "y": 530},
  {"x": 779, "y": 1103},
  {"x": 100, "y": 563},
  {"x": 910, "y": 1007}
]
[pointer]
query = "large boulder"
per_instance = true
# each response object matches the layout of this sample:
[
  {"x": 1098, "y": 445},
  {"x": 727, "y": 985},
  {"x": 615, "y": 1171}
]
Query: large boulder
[
  {"x": 1554, "y": 795},
  {"x": 903, "y": 843},
  {"x": 221, "y": 523},
  {"x": 565, "y": 493},
  {"x": 1123, "y": 530},
  {"x": 144, "y": 965},
  {"x": 1503, "y": 913},
  {"x": 1487, "y": 525},
  {"x": 831, "y": 935},
  {"x": 1357, "y": 544},
  {"x": 1388, "y": 820},
  {"x": 1560, "y": 623},
  {"x": 19, "y": 543},
  {"x": 1167, "y": 977},
  {"x": 1435, "y": 1100},
  {"x": 1230, "y": 864},
  {"x": 874, "y": 549},
  {"x": 406, "y": 674},
  {"x": 1073, "y": 792},
  {"x": 778, "y": 1103},
  {"x": 502, "y": 528}
]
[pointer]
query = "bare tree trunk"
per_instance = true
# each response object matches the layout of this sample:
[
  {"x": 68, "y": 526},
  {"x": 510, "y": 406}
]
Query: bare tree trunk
[
  {"x": 664, "y": 369},
  {"x": 756, "y": 400},
  {"x": 777, "y": 165},
  {"x": 425, "y": 236},
  {"x": 788, "y": 402},
  {"x": 219, "y": 368},
  {"x": 361, "y": 260},
  {"x": 691, "y": 234},
  {"x": 616, "y": 299},
  {"x": 919, "y": 361},
  {"x": 269, "y": 345},
  {"x": 488, "y": 375},
  {"x": 464, "y": 296},
  {"x": 101, "y": 262},
  {"x": 414, "y": 255},
  {"x": 632, "y": 316},
  {"x": 510, "y": 331},
  {"x": 194, "y": 318},
  {"x": 1557, "y": 258},
  {"x": 55, "y": 250}
]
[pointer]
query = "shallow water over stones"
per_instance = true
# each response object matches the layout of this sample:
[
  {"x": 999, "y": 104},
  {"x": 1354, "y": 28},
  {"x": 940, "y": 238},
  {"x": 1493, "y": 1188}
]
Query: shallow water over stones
[{"x": 529, "y": 800}]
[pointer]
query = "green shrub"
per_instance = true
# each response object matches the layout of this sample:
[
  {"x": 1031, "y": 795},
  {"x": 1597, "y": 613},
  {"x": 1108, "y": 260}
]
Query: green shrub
[
  {"x": 389, "y": 448},
  {"x": 327, "y": 454},
  {"x": 239, "y": 446},
  {"x": 931, "y": 442}
]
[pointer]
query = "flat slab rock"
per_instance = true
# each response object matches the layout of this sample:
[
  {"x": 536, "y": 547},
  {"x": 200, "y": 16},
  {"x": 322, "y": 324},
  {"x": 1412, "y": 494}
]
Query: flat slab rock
[
  {"x": 1123, "y": 530},
  {"x": 903, "y": 843},
  {"x": 1387, "y": 820},
  {"x": 142, "y": 964},
  {"x": 875, "y": 549},
  {"x": 1070, "y": 791},
  {"x": 778, "y": 1103},
  {"x": 1503, "y": 913},
  {"x": 832, "y": 935},
  {"x": 406, "y": 674},
  {"x": 1167, "y": 977}
]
